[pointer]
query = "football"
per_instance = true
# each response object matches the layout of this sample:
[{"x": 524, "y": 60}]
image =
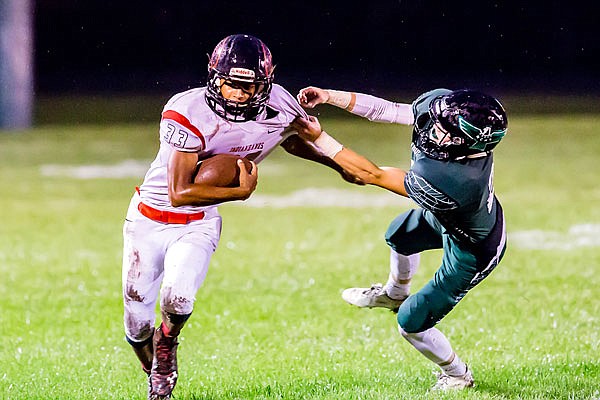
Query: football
[{"x": 221, "y": 170}]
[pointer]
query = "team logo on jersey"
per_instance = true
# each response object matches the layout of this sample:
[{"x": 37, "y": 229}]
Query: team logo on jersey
[
  {"x": 247, "y": 147},
  {"x": 481, "y": 137}
]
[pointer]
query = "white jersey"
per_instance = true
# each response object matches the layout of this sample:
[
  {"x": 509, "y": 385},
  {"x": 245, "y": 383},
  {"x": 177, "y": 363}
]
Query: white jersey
[{"x": 188, "y": 124}]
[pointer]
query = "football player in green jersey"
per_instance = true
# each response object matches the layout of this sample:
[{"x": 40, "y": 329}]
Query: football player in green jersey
[{"x": 451, "y": 179}]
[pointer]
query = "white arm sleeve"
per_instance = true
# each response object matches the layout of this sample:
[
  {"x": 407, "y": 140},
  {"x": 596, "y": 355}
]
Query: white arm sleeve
[{"x": 380, "y": 110}]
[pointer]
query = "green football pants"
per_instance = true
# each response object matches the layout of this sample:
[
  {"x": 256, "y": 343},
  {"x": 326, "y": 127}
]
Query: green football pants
[{"x": 463, "y": 265}]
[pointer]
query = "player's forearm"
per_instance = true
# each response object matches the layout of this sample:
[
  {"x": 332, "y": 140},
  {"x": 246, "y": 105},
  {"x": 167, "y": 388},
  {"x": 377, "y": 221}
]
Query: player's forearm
[
  {"x": 341, "y": 99},
  {"x": 367, "y": 172},
  {"x": 196, "y": 194},
  {"x": 308, "y": 150},
  {"x": 392, "y": 179},
  {"x": 355, "y": 166},
  {"x": 299, "y": 147},
  {"x": 371, "y": 107}
]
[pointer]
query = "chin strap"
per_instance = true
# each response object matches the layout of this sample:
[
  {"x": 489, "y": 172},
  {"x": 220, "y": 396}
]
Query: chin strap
[{"x": 476, "y": 155}]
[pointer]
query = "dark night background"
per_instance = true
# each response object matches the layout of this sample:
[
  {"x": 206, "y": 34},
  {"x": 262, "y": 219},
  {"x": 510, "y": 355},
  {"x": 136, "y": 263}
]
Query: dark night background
[{"x": 379, "y": 46}]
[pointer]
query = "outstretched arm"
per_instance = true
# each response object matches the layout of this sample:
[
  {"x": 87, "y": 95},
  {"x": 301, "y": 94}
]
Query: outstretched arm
[
  {"x": 358, "y": 166},
  {"x": 367, "y": 106},
  {"x": 304, "y": 149},
  {"x": 389, "y": 178}
]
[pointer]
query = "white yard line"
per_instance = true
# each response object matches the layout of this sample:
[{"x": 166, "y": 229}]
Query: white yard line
[
  {"x": 125, "y": 169},
  {"x": 584, "y": 235},
  {"x": 308, "y": 197},
  {"x": 328, "y": 197}
]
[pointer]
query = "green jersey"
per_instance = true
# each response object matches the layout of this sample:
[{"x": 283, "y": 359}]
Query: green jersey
[{"x": 459, "y": 193}]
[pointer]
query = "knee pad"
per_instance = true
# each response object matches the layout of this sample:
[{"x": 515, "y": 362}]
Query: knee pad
[
  {"x": 424, "y": 309},
  {"x": 416, "y": 314},
  {"x": 410, "y": 318}
]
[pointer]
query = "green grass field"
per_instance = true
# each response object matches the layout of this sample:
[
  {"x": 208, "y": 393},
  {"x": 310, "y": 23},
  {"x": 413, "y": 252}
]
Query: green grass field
[{"x": 269, "y": 322}]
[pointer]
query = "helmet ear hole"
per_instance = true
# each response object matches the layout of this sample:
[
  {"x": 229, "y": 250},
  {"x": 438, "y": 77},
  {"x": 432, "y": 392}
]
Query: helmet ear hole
[
  {"x": 457, "y": 140},
  {"x": 242, "y": 58}
]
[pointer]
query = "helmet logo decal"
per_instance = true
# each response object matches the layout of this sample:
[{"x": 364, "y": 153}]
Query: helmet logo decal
[
  {"x": 266, "y": 62},
  {"x": 243, "y": 73},
  {"x": 481, "y": 137}
]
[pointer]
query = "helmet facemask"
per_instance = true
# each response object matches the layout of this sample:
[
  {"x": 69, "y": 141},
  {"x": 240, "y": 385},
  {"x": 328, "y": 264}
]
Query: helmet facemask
[
  {"x": 233, "y": 110},
  {"x": 442, "y": 138}
]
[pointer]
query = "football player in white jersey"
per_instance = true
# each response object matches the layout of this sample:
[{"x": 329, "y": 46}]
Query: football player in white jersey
[{"x": 173, "y": 226}]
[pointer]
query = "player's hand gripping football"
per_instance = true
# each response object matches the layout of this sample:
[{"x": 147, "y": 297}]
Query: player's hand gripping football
[
  {"x": 310, "y": 96},
  {"x": 248, "y": 179}
]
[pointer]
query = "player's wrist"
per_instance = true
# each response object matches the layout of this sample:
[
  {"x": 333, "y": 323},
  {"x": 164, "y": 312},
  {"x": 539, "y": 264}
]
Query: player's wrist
[
  {"x": 338, "y": 98},
  {"x": 328, "y": 145}
]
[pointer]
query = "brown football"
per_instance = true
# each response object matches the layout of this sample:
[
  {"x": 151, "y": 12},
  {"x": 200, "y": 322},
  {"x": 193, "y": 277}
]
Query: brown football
[{"x": 221, "y": 170}]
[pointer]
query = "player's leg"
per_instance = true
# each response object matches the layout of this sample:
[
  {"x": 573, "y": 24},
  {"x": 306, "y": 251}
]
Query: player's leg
[
  {"x": 408, "y": 235},
  {"x": 418, "y": 315},
  {"x": 462, "y": 268},
  {"x": 402, "y": 269},
  {"x": 186, "y": 265},
  {"x": 464, "y": 265},
  {"x": 142, "y": 274},
  {"x": 436, "y": 347}
]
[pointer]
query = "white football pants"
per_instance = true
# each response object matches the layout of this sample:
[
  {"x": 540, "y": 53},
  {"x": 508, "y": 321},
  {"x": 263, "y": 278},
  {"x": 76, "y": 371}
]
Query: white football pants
[{"x": 170, "y": 259}]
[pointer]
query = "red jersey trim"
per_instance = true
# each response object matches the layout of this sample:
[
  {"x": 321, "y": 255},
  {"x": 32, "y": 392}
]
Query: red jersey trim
[{"x": 175, "y": 116}]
